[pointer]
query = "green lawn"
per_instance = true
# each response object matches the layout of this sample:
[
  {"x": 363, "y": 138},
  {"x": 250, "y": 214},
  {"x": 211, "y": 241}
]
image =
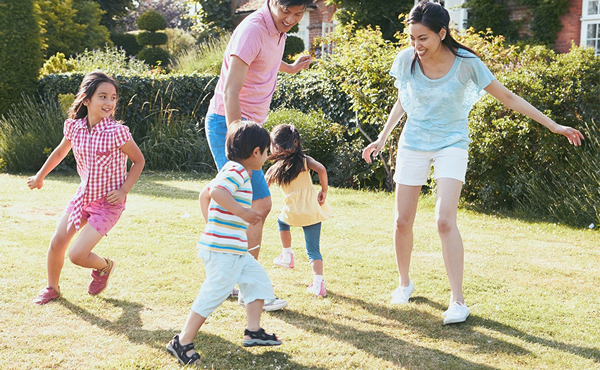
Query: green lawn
[{"x": 533, "y": 289}]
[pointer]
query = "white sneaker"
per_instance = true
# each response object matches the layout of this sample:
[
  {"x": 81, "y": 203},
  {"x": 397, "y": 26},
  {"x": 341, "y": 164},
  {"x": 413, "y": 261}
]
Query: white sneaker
[
  {"x": 285, "y": 260},
  {"x": 402, "y": 294},
  {"x": 317, "y": 288},
  {"x": 457, "y": 312},
  {"x": 269, "y": 305},
  {"x": 274, "y": 304}
]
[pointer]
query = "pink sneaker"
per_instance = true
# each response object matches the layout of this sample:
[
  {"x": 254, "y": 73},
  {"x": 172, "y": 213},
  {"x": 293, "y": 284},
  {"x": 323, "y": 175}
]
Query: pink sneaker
[
  {"x": 285, "y": 260},
  {"x": 100, "y": 278},
  {"x": 318, "y": 289},
  {"x": 46, "y": 295}
]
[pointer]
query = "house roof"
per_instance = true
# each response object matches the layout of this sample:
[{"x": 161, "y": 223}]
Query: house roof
[{"x": 253, "y": 5}]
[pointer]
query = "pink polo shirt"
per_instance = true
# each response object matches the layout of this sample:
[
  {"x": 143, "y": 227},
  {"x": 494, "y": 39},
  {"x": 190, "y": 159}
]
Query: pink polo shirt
[
  {"x": 258, "y": 43},
  {"x": 101, "y": 164}
]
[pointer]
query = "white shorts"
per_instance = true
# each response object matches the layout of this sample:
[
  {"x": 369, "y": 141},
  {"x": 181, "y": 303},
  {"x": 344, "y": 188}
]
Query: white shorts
[
  {"x": 413, "y": 167},
  {"x": 223, "y": 271}
]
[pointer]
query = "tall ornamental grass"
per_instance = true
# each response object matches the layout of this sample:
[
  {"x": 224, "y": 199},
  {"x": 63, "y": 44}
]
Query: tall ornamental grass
[
  {"x": 28, "y": 134},
  {"x": 569, "y": 193},
  {"x": 174, "y": 142},
  {"x": 206, "y": 57}
]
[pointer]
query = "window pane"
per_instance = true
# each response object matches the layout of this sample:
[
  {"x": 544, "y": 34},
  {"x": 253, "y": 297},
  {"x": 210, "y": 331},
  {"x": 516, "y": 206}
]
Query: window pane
[
  {"x": 591, "y": 31},
  {"x": 593, "y": 7}
]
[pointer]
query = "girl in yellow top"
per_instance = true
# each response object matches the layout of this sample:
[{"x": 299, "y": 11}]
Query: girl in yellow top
[{"x": 302, "y": 205}]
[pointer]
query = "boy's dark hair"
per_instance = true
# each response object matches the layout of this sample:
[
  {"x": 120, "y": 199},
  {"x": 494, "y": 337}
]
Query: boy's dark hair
[
  {"x": 243, "y": 137},
  {"x": 88, "y": 87},
  {"x": 288, "y": 3}
]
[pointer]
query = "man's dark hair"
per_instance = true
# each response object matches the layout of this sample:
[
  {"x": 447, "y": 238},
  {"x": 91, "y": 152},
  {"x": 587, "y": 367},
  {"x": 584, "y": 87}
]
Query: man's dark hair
[
  {"x": 288, "y": 3},
  {"x": 243, "y": 137}
]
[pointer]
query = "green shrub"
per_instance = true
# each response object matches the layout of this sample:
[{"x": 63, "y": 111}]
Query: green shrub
[
  {"x": 563, "y": 86},
  {"x": 152, "y": 38},
  {"x": 327, "y": 142},
  {"x": 570, "y": 192},
  {"x": 155, "y": 56},
  {"x": 58, "y": 64},
  {"x": 29, "y": 132},
  {"x": 179, "y": 41},
  {"x": 20, "y": 51},
  {"x": 127, "y": 41},
  {"x": 112, "y": 61},
  {"x": 151, "y": 21},
  {"x": 293, "y": 46},
  {"x": 206, "y": 57}
]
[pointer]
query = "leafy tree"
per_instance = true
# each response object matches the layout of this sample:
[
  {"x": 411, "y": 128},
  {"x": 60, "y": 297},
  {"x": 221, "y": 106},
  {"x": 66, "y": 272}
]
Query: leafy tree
[
  {"x": 113, "y": 10},
  {"x": 174, "y": 11},
  {"x": 71, "y": 26},
  {"x": 20, "y": 51},
  {"x": 381, "y": 13}
]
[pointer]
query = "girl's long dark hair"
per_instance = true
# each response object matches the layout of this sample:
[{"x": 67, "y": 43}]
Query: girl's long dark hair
[
  {"x": 435, "y": 17},
  {"x": 88, "y": 87},
  {"x": 287, "y": 155}
]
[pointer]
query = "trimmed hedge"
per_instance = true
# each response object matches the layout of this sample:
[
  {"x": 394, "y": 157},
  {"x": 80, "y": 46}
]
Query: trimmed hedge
[{"x": 140, "y": 98}]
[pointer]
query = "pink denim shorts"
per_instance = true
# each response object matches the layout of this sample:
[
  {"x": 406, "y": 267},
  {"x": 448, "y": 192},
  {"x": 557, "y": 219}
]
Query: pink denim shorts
[{"x": 100, "y": 214}]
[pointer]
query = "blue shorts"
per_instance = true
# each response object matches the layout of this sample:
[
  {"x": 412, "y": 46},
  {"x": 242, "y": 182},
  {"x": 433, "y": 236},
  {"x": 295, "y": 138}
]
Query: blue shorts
[
  {"x": 223, "y": 271},
  {"x": 216, "y": 130}
]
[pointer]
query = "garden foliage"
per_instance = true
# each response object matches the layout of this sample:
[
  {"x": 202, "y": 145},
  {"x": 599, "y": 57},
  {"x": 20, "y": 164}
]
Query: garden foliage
[
  {"x": 20, "y": 51},
  {"x": 150, "y": 22}
]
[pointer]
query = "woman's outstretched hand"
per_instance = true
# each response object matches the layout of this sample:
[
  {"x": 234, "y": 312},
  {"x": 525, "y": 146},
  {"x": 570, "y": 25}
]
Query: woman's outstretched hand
[
  {"x": 372, "y": 150},
  {"x": 574, "y": 135}
]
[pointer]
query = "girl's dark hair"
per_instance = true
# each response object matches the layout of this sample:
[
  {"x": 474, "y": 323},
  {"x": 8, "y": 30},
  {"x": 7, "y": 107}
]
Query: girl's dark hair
[
  {"x": 287, "y": 155},
  {"x": 435, "y": 17},
  {"x": 243, "y": 137},
  {"x": 88, "y": 87},
  {"x": 288, "y": 3}
]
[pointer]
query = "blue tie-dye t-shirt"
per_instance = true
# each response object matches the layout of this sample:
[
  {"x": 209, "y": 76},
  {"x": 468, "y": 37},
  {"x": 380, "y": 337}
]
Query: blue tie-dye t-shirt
[{"x": 438, "y": 110}]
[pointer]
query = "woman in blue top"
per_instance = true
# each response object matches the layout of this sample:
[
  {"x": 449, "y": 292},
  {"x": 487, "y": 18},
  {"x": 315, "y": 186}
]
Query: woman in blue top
[{"x": 438, "y": 82}]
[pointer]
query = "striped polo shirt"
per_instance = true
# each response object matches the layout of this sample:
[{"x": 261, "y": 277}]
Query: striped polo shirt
[{"x": 226, "y": 232}]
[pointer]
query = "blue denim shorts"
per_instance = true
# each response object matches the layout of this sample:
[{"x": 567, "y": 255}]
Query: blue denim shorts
[{"x": 216, "y": 130}]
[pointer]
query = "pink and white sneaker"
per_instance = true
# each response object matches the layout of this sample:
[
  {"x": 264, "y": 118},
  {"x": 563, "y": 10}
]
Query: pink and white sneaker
[
  {"x": 317, "y": 289},
  {"x": 285, "y": 260}
]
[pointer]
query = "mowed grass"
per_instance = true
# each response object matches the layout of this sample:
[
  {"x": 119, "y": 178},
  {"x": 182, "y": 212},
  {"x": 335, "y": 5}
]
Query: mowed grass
[{"x": 533, "y": 289}]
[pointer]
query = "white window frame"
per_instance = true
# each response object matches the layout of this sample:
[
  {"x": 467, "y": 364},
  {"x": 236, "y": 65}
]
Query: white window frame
[
  {"x": 326, "y": 29},
  {"x": 587, "y": 20},
  {"x": 303, "y": 31}
]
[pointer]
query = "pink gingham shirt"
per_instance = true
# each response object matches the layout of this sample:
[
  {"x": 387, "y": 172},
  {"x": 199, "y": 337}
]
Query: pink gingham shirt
[{"x": 101, "y": 164}]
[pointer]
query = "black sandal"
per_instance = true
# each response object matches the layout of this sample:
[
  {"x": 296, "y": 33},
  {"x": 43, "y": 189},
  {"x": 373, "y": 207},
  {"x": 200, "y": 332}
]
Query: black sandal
[
  {"x": 260, "y": 338},
  {"x": 180, "y": 351}
]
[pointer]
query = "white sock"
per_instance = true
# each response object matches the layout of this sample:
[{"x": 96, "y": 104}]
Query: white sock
[
  {"x": 318, "y": 278},
  {"x": 288, "y": 250}
]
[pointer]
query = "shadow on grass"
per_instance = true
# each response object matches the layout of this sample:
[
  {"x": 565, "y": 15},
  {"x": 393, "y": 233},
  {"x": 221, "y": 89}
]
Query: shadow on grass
[
  {"x": 151, "y": 184},
  {"x": 379, "y": 344},
  {"x": 213, "y": 350},
  {"x": 431, "y": 326}
]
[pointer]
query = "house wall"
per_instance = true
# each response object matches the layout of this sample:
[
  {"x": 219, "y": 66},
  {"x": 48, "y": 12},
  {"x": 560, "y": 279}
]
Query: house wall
[{"x": 571, "y": 30}]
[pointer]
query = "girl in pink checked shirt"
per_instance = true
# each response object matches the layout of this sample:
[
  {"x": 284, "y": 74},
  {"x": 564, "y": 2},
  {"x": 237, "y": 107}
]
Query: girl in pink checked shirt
[{"x": 101, "y": 146}]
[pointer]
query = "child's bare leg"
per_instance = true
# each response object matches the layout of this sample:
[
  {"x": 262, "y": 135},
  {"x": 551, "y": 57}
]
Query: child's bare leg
[
  {"x": 286, "y": 238},
  {"x": 56, "y": 251},
  {"x": 317, "y": 267},
  {"x": 253, "y": 312},
  {"x": 192, "y": 326},
  {"x": 81, "y": 251}
]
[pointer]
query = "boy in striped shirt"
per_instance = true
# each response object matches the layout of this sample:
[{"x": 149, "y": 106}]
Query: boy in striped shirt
[{"x": 226, "y": 207}]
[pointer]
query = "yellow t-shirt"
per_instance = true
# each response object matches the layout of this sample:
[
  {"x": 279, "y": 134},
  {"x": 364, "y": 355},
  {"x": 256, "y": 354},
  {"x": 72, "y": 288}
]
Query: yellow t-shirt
[{"x": 300, "y": 206}]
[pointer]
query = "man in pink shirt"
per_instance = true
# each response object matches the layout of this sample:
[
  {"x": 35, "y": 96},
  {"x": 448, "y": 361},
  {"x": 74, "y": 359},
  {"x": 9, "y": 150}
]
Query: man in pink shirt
[{"x": 247, "y": 82}]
